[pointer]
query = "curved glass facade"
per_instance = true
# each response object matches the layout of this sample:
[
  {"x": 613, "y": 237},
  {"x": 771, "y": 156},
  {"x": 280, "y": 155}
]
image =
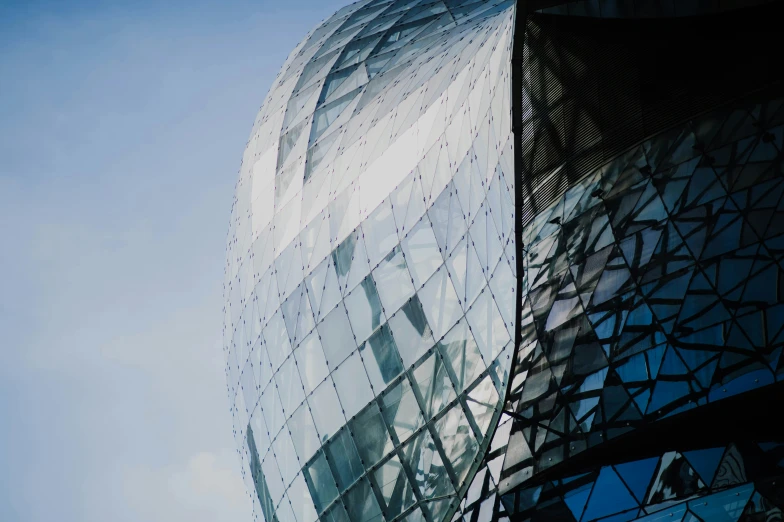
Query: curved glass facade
[
  {"x": 371, "y": 264},
  {"x": 514, "y": 261}
]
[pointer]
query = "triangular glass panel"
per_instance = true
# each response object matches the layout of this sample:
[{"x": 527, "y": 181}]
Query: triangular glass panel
[
  {"x": 638, "y": 475},
  {"x": 705, "y": 462},
  {"x": 609, "y": 496},
  {"x": 665, "y": 393},
  {"x": 576, "y": 500},
  {"x": 675, "y": 479}
]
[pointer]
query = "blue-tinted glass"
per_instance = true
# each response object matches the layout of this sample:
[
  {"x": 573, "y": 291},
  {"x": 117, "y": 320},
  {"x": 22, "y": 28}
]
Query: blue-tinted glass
[
  {"x": 638, "y": 475},
  {"x": 705, "y": 462},
  {"x": 576, "y": 500},
  {"x": 609, "y": 496},
  {"x": 726, "y": 506}
]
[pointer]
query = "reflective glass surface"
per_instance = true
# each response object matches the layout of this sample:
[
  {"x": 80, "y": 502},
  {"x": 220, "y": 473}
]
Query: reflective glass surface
[
  {"x": 733, "y": 483},
  {"x": 370, "y": 264},
  {"x": 651, "y": 289},
  {"x": 372, "y": 318}
]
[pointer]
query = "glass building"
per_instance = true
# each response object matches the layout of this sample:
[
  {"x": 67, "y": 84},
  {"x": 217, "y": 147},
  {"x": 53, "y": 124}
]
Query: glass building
[{"x": 514, "y": 260}]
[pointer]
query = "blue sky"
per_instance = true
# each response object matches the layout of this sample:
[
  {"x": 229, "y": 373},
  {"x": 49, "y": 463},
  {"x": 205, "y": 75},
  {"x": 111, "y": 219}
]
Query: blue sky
[{"x": 122, "y": 125}]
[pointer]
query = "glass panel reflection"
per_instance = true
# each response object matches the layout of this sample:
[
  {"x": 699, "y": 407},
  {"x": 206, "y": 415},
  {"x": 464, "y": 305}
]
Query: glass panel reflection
[{"x": 382, "y": 149}]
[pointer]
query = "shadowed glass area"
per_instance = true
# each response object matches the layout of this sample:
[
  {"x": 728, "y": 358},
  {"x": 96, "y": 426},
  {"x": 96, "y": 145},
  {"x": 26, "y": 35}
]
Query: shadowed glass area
[{"x": 650, "y": 289}]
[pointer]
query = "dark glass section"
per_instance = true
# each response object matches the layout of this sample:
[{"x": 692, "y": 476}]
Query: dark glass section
[
  {"x": 733, "y": 482},
  {"x": 593, "y": 87},
  {"x": 649, "y": 373},
  {"x": 647, "y": 376},
  {"x": 639, "y": 8}
]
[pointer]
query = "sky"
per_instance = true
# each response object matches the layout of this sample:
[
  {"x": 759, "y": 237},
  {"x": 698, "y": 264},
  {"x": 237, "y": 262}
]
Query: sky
[{"x": 122, "y": 126}]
